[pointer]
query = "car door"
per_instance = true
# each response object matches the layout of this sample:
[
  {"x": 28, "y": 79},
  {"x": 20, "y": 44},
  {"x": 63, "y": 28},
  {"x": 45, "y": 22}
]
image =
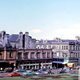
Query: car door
[{"x": 15, "y": 74}]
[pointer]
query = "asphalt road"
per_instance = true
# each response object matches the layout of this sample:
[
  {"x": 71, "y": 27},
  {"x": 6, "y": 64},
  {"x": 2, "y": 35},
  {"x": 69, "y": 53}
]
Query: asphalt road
[{"x": 54, "y": 70}]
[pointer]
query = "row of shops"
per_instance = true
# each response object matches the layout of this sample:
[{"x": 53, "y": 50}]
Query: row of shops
[
  {"x": 59, "y": 63},
  {"x": 56, "y": 63},
  {"x": 37, "y": 64}
]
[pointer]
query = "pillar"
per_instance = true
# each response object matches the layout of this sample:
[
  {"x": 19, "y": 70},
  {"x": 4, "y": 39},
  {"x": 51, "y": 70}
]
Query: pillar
[
  {"x": 35, "y": 55},
  {"x": 41, "y": 55},
  {"x": 29, "y": 55},
  {"x": 22, "y": 54},
  {"x": 51, "y": 55},
  {"x": 5, "y": 55},
  {"x": 46, "y": 54}
]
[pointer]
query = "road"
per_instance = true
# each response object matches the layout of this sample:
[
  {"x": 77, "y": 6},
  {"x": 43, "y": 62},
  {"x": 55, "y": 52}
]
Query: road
[{"x": 54, "y": 70}]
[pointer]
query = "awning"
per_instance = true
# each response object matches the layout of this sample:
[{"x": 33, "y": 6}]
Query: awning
[
  {"x": 70, "y": 64},
  {"x": 46, "y": 63},
  {"x": 28, "y": 64},
  {"x": 59, "y": 62},
  {"x": 35, "y": 64},
  {"x": 3, "y": 61}
]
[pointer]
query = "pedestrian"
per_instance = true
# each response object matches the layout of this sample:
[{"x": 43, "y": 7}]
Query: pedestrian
[{"x": 49, "y": 71}]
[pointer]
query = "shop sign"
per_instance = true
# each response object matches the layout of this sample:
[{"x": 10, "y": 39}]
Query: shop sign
[
  {"x": 66, "y": 60},
  {"x": 70, "y": 64}
]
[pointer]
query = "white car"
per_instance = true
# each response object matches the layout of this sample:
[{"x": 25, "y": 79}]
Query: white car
[{"x": 39, "y": 73}]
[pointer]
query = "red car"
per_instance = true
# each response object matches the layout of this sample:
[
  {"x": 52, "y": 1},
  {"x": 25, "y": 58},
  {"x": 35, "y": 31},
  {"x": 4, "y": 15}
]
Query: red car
[{"x": 14, "y": 74}]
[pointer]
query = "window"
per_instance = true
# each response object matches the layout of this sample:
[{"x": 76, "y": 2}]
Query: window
[
  {"x": 57, "y": 54},
  {"x": 48, "y": 54},
  {"x": 76, "y": 54},
  {"x": 38, "y": 55},
  {"x": 62, "y": 47},
  {"x": 44, "y": 54},
  {"x": 19, "y": 55},
  {"x": 26, "y": 55},
  {"x": 32, "y": 55},
  {"x": 79, "y": 54},
  {"x": 10, "y": 55},
  {"x": 42, "y": 47},
  {"x": 46, "y": 46},
  {"x": 51, "y": 46},
  {"x": 66, "y": 47}
]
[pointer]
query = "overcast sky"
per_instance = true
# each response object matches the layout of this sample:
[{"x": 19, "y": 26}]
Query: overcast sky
[{"x": 43, "y": 19}]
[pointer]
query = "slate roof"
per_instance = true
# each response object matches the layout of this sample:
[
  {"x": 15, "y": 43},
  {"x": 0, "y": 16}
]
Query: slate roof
[
  {"x": 1, "y": 46},
  {"x": 14, "y": 38},
  {"x": 68, "y": 40},
  {"x": 6, "y": 42},
  {"x": 50, "y": 41}
]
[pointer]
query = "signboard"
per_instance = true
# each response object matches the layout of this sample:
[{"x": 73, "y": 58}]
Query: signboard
[
  {"x": 70, "y": 64},
  {"x": 66, "y": 60},
  {"x": 57, "y": 53}
]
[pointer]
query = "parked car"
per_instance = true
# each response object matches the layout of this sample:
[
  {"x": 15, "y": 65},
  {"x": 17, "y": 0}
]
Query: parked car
[
  {"x": 48, "y": 72},
  {"x": 43, "y": 69},
  {"x": 27, "y": 73},
  {"x": 34, "y": 69},
  {"x": 20, "y": 70},
  {"x": 13, "y": 74},
  {"x": 8, "y": 70},
  {"x": 61, "y": 71},
  {"x": 39, "y": 73}
]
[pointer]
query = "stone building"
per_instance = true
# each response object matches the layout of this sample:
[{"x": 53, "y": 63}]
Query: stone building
[
  {"x": 19, "y": 51},
  {"x": 66, "y": 50},
  {"x": 19, "y": 40}
]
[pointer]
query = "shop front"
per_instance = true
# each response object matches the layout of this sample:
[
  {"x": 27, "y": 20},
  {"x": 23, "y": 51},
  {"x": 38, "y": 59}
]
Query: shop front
[{"x": 59, "y": 62}]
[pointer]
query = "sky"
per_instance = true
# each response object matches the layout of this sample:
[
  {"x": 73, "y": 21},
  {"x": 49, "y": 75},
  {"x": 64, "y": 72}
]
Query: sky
[{"x": 43, "y": 19}]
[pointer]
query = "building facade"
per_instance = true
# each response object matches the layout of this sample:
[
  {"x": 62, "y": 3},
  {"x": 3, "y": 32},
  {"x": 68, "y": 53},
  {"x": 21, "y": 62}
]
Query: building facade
[
  {"x": 62, "y": 49},
  {"x": 25, "y": 58}
]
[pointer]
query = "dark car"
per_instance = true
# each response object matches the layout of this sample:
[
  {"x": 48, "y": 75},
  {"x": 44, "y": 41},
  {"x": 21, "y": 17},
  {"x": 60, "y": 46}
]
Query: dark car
[
  {"x": 8, "y": 70},
  {"x": 39, "y": 73},
  {"x": 48, "y": 72},
  {"x": 34, "y": 69},
  {"x": 20, "y": 70},
  {"x": 62, "y": 71},
  {"x": 43, "y": 69}
]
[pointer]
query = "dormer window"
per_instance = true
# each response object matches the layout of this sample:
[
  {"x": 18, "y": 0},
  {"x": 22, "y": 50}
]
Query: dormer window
[{"x": 10, "y": 55}]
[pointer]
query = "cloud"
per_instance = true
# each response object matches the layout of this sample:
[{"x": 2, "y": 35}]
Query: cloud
[
  {"x": 68, "y": 32},
  {"x": 35, "y": 31},
  {"x": 77, "y": 25}
]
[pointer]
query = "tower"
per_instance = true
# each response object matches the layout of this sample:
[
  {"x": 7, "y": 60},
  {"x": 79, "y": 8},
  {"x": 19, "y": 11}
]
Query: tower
[
  {"x": 2, "y": 35},
  {"x": 20, "y": 40}
]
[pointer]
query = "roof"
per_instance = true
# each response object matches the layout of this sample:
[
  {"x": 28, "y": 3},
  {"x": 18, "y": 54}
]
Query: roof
[
  {"x": 14, "y": 38},
  {"x": 50, "y": 41},
  {"x": 1, "y": 46},
  {"x": 6, "y": 42},
  {"x": 68, "y": 40}
]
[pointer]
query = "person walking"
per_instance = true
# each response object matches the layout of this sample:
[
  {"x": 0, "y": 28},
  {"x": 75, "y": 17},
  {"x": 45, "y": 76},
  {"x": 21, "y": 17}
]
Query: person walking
[{"x": 49, "y": 71}]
